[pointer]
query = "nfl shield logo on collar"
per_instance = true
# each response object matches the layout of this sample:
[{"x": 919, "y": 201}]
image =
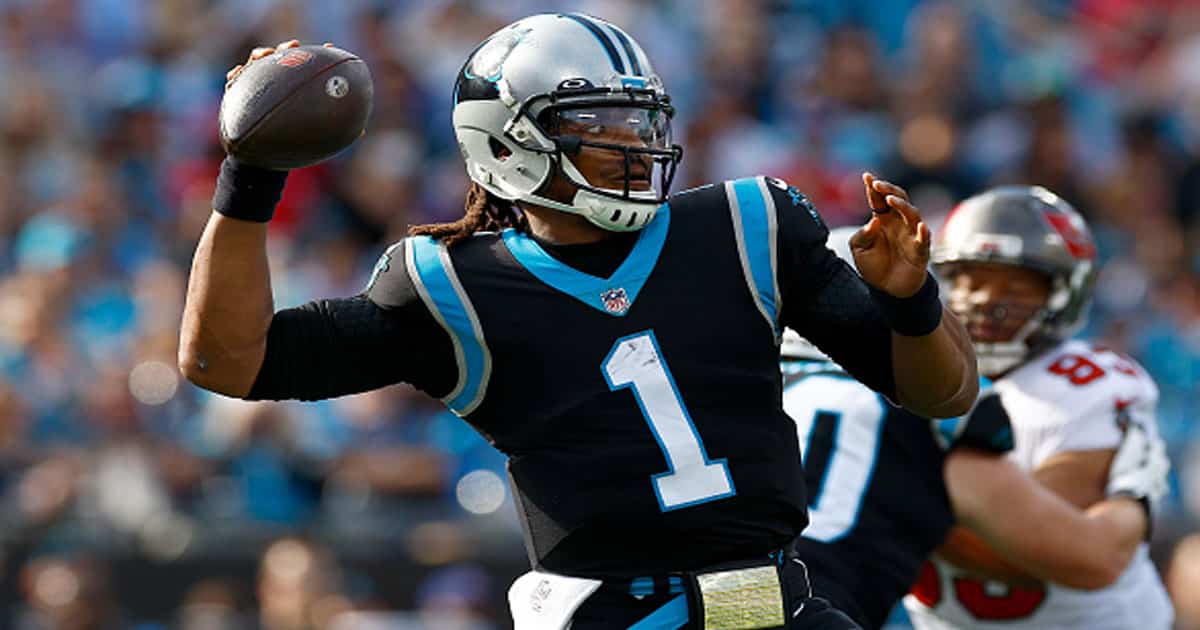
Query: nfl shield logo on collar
[{"x": 616, "y": 301}]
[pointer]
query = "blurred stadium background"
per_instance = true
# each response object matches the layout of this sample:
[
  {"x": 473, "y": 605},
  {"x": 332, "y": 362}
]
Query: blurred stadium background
[{"x": 128, "y": 498}]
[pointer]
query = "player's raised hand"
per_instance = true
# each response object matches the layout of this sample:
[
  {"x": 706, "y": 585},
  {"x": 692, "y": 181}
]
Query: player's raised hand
[{"x": 892, "y": 249}]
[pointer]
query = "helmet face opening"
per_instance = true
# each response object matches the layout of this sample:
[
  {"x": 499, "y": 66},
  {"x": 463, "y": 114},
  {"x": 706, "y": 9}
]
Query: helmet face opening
[
  {"x": 576, "y": 106},
  {"x": 995, "y": 301},
  {"x": 1025, "y": 232},
  {"x": 634, "y": 126},
  {"x": 614, "y": 143}
]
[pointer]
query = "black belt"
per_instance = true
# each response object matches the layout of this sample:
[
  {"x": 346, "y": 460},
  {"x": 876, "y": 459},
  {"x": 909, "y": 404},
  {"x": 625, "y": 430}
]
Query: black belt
[{"x": 711, "y": 589}]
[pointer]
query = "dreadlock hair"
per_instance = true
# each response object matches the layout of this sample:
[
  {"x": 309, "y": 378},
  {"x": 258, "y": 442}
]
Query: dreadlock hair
[{"x": 485, "y": 212}]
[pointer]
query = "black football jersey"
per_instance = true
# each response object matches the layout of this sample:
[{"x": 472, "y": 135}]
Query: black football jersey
[
  {"x": 877, "y": 499},
  {"x": 641, "y": 411}
]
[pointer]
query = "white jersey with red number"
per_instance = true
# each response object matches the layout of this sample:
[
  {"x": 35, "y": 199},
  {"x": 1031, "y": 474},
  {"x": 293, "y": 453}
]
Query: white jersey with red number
[{"x": 1073, "y": 398}]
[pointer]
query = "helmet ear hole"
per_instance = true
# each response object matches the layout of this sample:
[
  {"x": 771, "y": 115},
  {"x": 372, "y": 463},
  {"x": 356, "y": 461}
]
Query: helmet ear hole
[{"x": 499, "y": 151}]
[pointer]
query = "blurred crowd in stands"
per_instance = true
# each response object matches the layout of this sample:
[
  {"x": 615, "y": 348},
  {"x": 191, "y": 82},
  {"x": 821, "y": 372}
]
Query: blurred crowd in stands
[{"x": 129, "y": 498}]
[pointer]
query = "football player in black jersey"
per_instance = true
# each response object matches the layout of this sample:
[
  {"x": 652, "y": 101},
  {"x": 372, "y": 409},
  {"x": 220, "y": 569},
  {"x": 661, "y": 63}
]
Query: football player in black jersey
[
  {"x": 886, "y": 486},
  {"x": 619, "y": 345}
]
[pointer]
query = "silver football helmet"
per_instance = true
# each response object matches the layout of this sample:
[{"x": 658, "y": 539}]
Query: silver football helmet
[
  {"x": 1032, "y": 228},
  {"x": 523, "y": 85}
]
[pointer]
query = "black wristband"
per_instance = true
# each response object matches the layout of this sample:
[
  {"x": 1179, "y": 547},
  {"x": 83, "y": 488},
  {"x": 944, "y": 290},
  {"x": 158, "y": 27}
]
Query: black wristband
[
  {"x": 248, "y": 192},
  {"x": 913, "y": 316}
]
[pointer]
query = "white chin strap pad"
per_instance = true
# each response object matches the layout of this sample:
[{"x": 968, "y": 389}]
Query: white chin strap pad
[
  {"x": 615, "y": 214},
  {"x": 998, "y": 358}
]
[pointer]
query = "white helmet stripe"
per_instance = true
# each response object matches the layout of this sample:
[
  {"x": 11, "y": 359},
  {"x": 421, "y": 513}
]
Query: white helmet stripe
[
  {"x": 635, "y": 66},
  {"x": 598, "y": 32}
]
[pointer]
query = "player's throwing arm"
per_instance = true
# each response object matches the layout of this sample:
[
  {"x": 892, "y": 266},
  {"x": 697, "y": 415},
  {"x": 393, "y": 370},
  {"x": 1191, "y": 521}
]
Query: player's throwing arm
[{"x": 286, "y": 107}]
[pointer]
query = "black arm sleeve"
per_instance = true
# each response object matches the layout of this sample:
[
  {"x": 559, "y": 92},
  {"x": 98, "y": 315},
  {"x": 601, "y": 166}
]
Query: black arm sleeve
[
  {"x": 824, "y": 299},
  {"x": 335, "y": 347}
]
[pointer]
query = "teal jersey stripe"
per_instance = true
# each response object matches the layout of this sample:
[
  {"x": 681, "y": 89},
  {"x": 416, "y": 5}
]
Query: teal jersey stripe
[
  {"x": 672, "y": 616},
  {"x": 433, "y": 274},
  {"x": 630, "y": 277},
  {"x": 756, "y": 228}
]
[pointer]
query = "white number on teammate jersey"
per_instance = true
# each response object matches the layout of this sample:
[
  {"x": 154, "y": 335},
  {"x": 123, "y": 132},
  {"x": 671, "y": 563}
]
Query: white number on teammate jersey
[
  {"x": 691, "y": 478},
  {"x": 838, "y": 425}
]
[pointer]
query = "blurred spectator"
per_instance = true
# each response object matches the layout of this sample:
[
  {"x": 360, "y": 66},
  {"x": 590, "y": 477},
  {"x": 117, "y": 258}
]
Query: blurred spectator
[
  {"x": 298, "y": 587},
  {"x": 63, "y": 593},
  {"x": 255, "y": 448},
  {"x": 111, "y": 465},
  {"x": 1051, "y": 155},
  {"x": 456, "y": 598},
  {"x": 212, "y": 605}
]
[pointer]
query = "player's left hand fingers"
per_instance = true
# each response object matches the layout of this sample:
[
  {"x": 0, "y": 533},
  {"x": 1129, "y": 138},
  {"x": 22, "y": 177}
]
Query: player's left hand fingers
[
  {"x": 924, "y": 237},
  {"x": 909, "y": 212},
  {"x": 910, "y": 238},
  {"x": 894, "y": 223},
  {"x": 874, "y": 198},
  {"x": 865, "y": 237},
  {"x": 229, "y": 76},
  {"x": 922, "y": 245},
  {"x": 291, "y": 43},
  {"x": 884, "y": 187}
]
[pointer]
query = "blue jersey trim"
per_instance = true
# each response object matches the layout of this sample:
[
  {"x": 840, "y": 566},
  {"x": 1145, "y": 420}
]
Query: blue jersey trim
[
  {"x": 756, "y": 228},
  {"x": 947, "y": 431},
  {"x": 641, "y": 587},
  {"x": 589, "y": 289},
  {"x": 644, "y": 586},
  {"x": 672, "y": 616},
  {"x": 598, "y": 32},
  {"x": 433, "y": 274}
]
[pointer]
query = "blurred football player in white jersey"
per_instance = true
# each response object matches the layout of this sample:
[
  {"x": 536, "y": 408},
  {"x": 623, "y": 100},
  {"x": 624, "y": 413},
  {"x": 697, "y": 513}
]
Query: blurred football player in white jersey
[
  {"x": 1020, "y": 266},
  {"x": 889, "y": 486}
]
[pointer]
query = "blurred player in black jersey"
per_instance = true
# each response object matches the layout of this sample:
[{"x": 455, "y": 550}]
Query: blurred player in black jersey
[
  {"x": 886, "y": 486},
  {"x": 619, "y": 345}
]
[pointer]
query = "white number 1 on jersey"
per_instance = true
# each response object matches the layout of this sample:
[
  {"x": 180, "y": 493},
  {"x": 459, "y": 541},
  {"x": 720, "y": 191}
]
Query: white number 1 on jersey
[{"x": 691, "y": 478}]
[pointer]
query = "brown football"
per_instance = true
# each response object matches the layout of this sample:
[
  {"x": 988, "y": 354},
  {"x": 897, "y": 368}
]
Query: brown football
[{"x": 296, "y": 107}]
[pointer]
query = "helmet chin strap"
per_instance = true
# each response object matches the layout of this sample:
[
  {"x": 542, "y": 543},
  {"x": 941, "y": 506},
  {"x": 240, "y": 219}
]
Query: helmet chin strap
[
  {"x": 599, "y": 209},
  {"x": 999, "y": 357}
]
